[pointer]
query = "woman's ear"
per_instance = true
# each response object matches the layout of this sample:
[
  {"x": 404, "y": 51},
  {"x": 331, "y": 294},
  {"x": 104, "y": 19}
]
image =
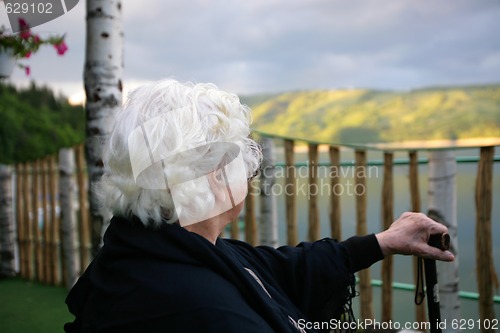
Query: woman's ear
[{"x": 217, "y": 184}]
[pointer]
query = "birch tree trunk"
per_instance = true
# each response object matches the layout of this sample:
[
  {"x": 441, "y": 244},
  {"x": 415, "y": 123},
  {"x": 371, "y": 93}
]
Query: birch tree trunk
[
  {"x": 443, "y": 207},
  {"x": 268, "y": 218},
  {"x": 7, "y": 235},
  {"x": 71, "y": 258},
  {"x": 103, "y": 88}
]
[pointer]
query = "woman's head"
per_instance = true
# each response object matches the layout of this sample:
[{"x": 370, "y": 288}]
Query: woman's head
[{"x": 165, "y": 141}]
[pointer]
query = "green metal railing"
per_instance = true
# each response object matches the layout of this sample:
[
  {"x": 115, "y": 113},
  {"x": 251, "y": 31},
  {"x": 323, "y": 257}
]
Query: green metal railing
[
  {"x": 460, "y": 160},
  {"x": 411, "y": 287}
]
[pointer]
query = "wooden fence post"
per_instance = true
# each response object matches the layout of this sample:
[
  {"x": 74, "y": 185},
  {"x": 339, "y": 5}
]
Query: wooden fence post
[
  {"x": 335, "y": 210},
  {"x": 7, "y": 234},
  {"x": 36, "y": 223},
  {"x": 442, "y": 196},
  {"x": 46, "y": 221},
  {"x": 312, "y": 193},
  {"x": 70, "y": 255},
  {"x": 365, "y": 289},
  {"x": 420, "y": 315},
  {"x": 250, "y": 221},
  {"x": 268, "y": 228},
  {"x": 54, "y": 223},
  {"x": 387, "y": 219},
  {"x": 28, "y": 224},
  {"x": 20, "y": 220},
  {"x": 290, "y": 194},
  {"x": 484, "y": 253}
]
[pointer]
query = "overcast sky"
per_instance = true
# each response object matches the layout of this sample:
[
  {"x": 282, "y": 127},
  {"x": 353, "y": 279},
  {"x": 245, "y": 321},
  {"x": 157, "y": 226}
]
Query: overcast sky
[{"x": 278, "y": 45}]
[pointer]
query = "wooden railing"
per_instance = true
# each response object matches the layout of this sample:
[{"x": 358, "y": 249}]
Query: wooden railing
[
  {"x": 38, "y": 219},
  {"x": 484, "y": 193}
]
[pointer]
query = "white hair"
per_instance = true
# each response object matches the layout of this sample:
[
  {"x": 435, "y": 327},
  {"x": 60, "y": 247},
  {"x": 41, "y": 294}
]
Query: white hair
[{"x": 197, "y": 114}]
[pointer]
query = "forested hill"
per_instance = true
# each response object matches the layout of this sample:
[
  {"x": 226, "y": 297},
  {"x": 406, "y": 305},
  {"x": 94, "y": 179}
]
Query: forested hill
[
  {"x": 35, "y": 123},
  {"x": 362, "y": 116}
]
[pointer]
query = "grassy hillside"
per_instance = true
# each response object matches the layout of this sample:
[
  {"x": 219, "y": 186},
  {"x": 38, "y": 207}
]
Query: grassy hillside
[{"x": 361, "y": 116}]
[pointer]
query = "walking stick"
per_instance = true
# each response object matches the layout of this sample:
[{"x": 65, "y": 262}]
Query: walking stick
[{"x": 441, "y": 241}]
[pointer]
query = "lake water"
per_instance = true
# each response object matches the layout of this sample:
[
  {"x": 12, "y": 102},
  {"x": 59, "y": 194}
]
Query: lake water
[{"x": 403, "y": 308}]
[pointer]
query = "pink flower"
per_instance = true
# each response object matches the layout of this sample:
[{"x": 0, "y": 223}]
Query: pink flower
[
  {"x": 25, "y": 29},
  {"x": 23, "y": 24},
  {"x": 61, "y": 48},
  {"x": 28, "y": 54},
  {"x": 27, "y": 70},
  {"x": 25, "y": 34}
]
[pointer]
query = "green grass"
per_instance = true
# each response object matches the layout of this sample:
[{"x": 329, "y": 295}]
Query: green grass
[{"x": 30, "y": 307}]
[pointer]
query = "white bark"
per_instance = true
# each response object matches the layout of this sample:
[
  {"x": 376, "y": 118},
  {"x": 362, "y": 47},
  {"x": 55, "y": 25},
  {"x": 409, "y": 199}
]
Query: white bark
[
  {"x": 7, "y": 230},
  {"x": 268, "y": 218},
  {"x": 443, "y": 203},
  {"x": 103, "y": 87},
  {"x": 67, "y": 189}
]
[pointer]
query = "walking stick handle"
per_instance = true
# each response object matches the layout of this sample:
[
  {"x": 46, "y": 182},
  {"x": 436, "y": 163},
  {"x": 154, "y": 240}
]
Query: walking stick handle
[{"x": 440, "y": 241}]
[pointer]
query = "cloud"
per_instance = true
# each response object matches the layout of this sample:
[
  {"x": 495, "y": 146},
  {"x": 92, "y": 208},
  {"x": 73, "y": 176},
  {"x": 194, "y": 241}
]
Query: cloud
[{"x": 277, "y": 45}]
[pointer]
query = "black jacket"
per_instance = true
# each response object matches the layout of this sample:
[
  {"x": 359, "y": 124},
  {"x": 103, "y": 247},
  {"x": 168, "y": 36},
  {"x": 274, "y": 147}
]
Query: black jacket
[{"x": 172, "y": 280}]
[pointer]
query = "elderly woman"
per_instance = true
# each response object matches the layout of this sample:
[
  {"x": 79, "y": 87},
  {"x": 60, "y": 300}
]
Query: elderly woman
[{"x": 178, "y": 161}]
